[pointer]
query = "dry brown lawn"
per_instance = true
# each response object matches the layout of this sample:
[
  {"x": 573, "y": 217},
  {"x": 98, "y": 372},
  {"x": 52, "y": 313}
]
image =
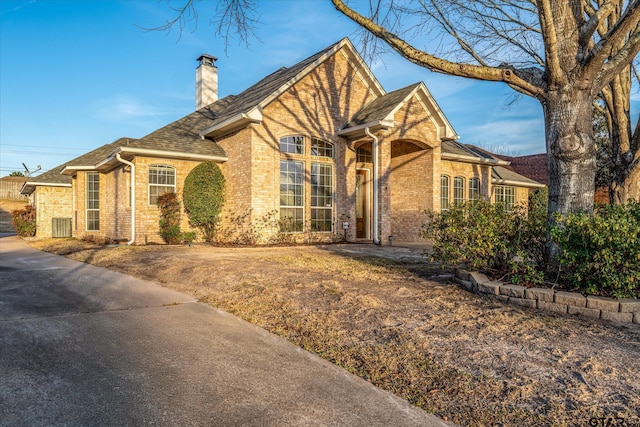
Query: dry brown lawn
[{"x": 467, "y": 358}]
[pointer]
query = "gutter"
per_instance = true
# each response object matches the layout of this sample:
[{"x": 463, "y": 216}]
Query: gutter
[
  {"x": 133, "y": 197},
  {"x": 376, "y": 214},
  {"x": 470, "y": 159},
  {"x": 33, "y": 184},
  {"x": 236, "y": 122},
  {"x": 517, "y": 183},
  {"x": 384, "y": 123}
]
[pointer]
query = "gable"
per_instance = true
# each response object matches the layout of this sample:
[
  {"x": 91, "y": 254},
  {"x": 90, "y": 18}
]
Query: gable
[
  {"x": 247, "y": 107},
  {"x": 381, "y": 113}
]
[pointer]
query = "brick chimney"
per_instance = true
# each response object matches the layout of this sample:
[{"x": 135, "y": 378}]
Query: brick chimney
[{"x": 206, "y": 81}]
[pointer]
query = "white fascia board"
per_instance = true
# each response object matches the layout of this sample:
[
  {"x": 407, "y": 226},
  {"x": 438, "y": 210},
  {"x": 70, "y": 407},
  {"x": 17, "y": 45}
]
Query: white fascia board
[
  {"x": 517, "y": 183},
  {"x": 470, "y": 159},
  {"x": 172, "y": 154},
  {"x": 236, "y": 122},
  {"x": 48, "y": 184},
  {"x": 70, "y": 170},
  {"x": 30, "y": 186},
  {"x": 360, "y": 129}
]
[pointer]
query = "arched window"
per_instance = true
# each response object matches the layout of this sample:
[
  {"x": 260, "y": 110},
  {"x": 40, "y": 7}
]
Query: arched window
[
  {"x": 162, "y": 179},
  {"x": 312, "y": 160},
  {"x": 444, "y": 192},
  {"x": 320, "y": 148}
]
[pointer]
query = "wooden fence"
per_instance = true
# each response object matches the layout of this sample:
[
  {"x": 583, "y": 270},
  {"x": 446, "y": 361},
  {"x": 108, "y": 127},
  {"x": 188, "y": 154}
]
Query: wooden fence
[{"x": 10, "y": 188}]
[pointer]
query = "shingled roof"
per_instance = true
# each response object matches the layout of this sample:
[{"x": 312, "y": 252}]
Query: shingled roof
[
  {"x": 52, "y": 177},
  {"x": 502, "y": 175},
  {"x": 245, "y": 107},
  {"x": 185, "y": 137},
  {"x": 453, "y": 150}
]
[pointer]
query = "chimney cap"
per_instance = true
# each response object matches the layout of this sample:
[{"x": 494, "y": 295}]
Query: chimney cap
[{"x": 206, "y": 59}]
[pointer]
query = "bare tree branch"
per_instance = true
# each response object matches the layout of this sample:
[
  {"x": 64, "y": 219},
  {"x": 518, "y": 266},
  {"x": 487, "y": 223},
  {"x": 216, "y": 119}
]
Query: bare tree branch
[{"x": 524, "y": 81}]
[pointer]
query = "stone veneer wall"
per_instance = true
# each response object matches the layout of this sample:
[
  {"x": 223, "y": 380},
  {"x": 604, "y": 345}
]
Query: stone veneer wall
[{"x": 622, "y": 310}]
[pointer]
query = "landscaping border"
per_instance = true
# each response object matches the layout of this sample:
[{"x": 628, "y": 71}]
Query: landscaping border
[{"x": 594, "y": 307}]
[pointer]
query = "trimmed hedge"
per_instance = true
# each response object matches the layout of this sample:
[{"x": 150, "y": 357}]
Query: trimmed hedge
[{"x": 203, "y": 198}]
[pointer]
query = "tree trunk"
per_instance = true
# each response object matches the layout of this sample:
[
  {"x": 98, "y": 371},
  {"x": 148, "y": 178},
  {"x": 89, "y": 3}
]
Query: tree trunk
[
  {"x": 571, "y": 158},
  {"x": 570, "y": 150},
  {"x": 629, "y": 188}
]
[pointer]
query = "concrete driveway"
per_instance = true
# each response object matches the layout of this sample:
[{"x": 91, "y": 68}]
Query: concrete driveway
[{"x": 84, "y": 346}]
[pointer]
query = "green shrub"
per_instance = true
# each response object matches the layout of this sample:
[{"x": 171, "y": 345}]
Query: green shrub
[
  {"x": 600, "y": 252},
  {"x": 203, "y": 198},
  {"x": 24, "y": 221},
  {"x": 170, "y": 218},
  {"x": 484, "y": 236}
]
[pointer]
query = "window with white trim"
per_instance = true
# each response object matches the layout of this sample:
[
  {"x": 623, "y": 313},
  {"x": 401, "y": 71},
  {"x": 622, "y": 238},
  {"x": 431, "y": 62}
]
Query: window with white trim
[
  {"x": 93, "y": 201},
  {"x": 474, "y": 189},
  {"x": 505, "y": 196},
  {"x": 444, "y": 192},
  {"x": 291, "y": 195},
  {"x": 321, "y": 197},
  {"x": 162, "y": 179},
  {"x": 458, "y": 190}
]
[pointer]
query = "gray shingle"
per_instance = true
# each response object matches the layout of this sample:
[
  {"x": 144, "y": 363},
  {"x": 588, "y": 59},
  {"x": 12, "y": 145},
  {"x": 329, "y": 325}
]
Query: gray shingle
[
  {"x": 453, "y": 147},
  {"x": 499, "y": 173},
  {"x": 52, "y": 176},
  {"x": 95, "y": 156}
]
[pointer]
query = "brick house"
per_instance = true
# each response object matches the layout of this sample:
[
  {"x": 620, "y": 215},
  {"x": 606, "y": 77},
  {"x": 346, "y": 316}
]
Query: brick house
[{"x": 320, "y": 144}]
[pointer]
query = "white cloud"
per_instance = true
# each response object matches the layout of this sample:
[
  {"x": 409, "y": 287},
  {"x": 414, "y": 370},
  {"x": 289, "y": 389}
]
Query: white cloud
[{"x": 125, "y": 108}]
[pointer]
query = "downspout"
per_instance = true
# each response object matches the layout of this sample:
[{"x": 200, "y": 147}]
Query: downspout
[
  {"x": 374, "y": 154},
  {"x": 133, "y": 197}
]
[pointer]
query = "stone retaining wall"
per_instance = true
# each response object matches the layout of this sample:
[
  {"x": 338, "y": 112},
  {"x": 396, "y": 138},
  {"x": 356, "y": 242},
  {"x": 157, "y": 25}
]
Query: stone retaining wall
[{"x": 622, "y": 310}]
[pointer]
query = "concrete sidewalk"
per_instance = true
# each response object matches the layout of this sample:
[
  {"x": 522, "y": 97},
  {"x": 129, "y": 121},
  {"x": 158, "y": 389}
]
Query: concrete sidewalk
[{"x": 81, "y": 345}]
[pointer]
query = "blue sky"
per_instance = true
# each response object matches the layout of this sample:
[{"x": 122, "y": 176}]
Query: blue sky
[{"x": 75, "y": 75}]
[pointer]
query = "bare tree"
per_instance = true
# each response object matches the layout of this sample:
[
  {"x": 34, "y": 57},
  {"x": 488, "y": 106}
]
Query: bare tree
[
  {"x": 563, "y": 53},
  {"x": 621, "y": 153},
  {"x": 231, "y": 18}
]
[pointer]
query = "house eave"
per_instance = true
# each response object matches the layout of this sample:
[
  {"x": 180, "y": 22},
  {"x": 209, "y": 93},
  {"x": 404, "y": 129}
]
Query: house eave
[
  {"x": 110, "y": 161},
  {"x": 232, "y": 124},
  {"x": 359, "y": 130},
  {"x": 472, "y": 159},
  {"x": 30, "y": 186},
  {"x": 71, "y": 170},
  {"x": 517, "y": 183}
]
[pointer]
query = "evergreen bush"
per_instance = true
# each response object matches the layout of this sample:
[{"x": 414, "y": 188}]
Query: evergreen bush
[
  {"x": 170, "y": 218},
  {"x": 203, "y": 198},
  {"x": 486, "y": 237},
  {"x": 600, "y": 251}
]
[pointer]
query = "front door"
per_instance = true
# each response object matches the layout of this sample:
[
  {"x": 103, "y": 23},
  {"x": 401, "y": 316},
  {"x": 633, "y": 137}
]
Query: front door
[{"x": 362, "y": 204}]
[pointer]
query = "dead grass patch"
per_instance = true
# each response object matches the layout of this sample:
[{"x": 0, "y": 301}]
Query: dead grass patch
[{"x": 468, "y": 358}]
